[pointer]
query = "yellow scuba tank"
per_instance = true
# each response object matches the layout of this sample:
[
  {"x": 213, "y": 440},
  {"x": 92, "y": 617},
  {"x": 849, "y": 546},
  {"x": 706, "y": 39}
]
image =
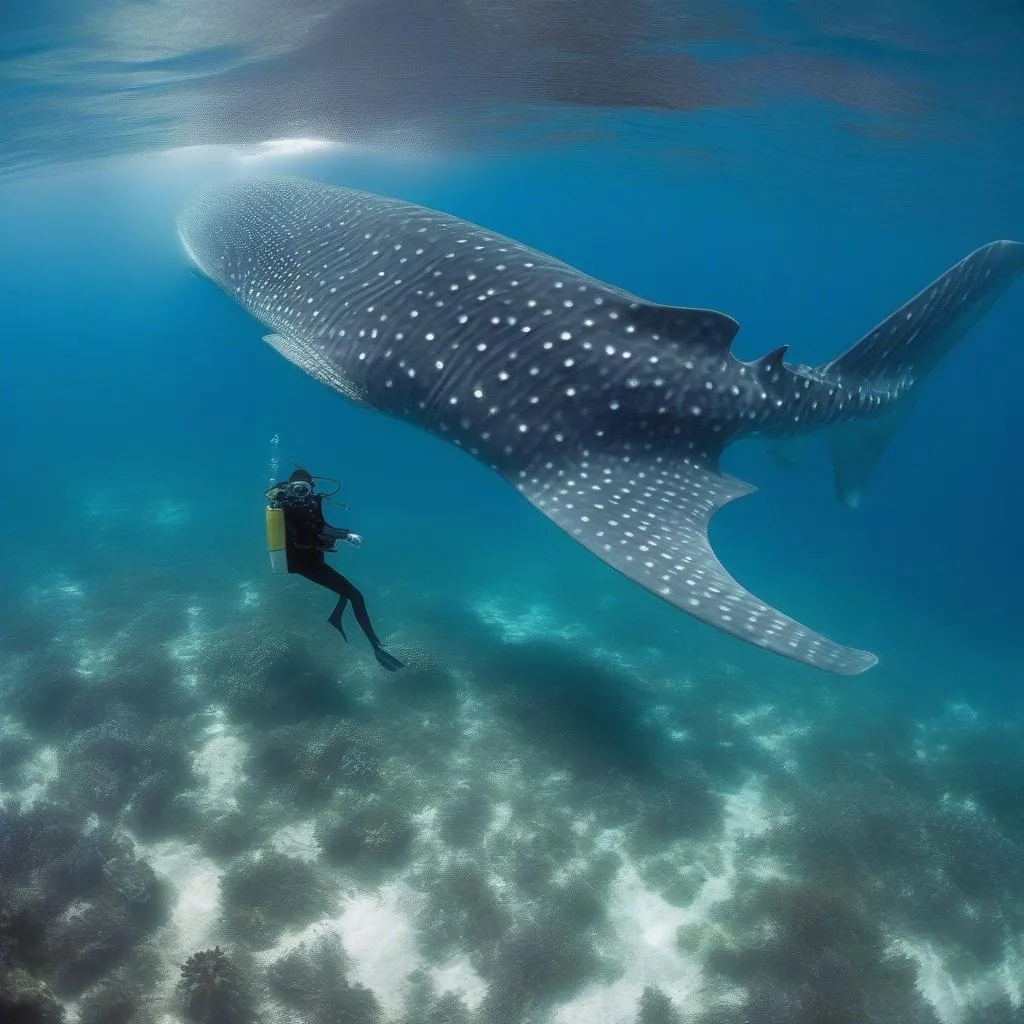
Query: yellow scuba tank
[{"x": 276, "y": 539}]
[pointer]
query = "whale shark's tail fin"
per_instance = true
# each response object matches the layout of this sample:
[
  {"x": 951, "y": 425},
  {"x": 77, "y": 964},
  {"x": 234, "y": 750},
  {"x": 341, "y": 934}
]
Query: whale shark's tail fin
[{"x": 905, "y": 347}]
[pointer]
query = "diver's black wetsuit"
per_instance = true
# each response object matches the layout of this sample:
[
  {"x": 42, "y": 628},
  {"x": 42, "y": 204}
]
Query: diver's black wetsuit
[{"x": 308, "y": 536}]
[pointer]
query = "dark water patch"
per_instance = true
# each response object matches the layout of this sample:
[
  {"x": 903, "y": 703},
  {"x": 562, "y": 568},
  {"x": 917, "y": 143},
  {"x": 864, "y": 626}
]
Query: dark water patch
[
  {"x": 463, "y": 909},
  {"x": 578, "y": 717},
  {"x": 808, "y": 953},
  {"x": 854, "y": 737},
  {"x": 677, "y": 879},
  {"x": 53, "y": 698},
  {"x": 463, "y": 817},
  {"x": 268, "y": 678},
  {"x": 551, "y": 871},
  {"x": 161, "y": 809},
  {"x": 303, "y": 687},
  {"x": 227, "y": 834},
  {"x": 81, "y": 948},
  {"x": 713, "y": 727},
  {"x": 534, "y": 965},
  {"x": 524, "y": 906},
  {"x": 312, "y": 980},
  {"x": 105, "y": 766},
  {"x": 371, "y": 839},
  {"x": 426, "y": 1006},
  {"x": 574, "y": 709},
  {"x": 424, "y": 686},
  {"x": 578, "y": 720},
  {"x": 656, "y": 1008},
  {"x": 972, "y": 893},
  {"x": 306, "y": 764},
  {"x": 73, "y": 904},
  {"x": 417, "y": 748},
  {"x": 16, "y": 749},
  {"x": 686, "y": 806},
  {"x": 922, "y": 867},
  {"x": 25, "y": 999},
  {"x": 149, "y": 686},
  {"x": 100, "y": 765},
  {"x": 265, "y": 892},
  {"x": 986, "y": 764},
  {"x": 23, "y": 631},
  {"x": 34, "y": 838},
  {"x": 580, "y": 901},
  {"x": 91, "y": 942},
  {"x": 265, "y": 812},
  {"x": 125, "y": 996},
  {"x": 41, "y": 694},
  {"x": 529, "y": 867},
  {"x": 457, "y": 638}
]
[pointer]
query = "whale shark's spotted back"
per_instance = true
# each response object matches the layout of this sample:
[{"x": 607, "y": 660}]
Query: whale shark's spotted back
[
  {"x": 607, "y": 412},
  {"x": 500, "y": 348}
]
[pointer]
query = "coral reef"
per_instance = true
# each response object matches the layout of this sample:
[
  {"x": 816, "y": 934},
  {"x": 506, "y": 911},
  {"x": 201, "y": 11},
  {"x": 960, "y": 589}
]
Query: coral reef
[{"x": 213, "y": 991}]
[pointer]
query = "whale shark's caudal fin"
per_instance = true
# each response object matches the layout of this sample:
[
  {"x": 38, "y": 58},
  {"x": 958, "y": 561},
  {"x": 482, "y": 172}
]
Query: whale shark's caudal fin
[{"x": 904, "y": 348}]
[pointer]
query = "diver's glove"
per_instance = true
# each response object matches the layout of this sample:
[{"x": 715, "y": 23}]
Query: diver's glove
[{"x": 354, "y": 539}]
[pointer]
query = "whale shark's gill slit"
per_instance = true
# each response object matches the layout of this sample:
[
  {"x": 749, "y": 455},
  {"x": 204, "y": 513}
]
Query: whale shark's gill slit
[
  {"x": 305, "y": 357},
  {"x": 649, "y": 520}
]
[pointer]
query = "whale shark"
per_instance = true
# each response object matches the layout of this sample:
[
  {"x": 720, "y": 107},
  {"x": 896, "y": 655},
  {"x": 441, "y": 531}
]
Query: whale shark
[{"x": 608, "y": 413}]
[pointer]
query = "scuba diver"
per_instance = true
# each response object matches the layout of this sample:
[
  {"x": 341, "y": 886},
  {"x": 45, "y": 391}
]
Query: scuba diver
[{"x": 298, "y": 537}]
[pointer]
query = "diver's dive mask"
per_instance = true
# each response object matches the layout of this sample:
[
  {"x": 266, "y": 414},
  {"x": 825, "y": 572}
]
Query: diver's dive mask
[
  {"x": 298, "y": 488},
  {"x": 294, "y": 490}
]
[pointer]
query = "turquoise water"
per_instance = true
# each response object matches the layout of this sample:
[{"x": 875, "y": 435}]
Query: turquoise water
[{"x": 577, "y": 805}]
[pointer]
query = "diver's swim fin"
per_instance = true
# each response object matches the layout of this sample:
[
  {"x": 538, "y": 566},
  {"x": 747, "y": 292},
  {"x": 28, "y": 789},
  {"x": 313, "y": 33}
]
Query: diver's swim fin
[
  {"x": 335, "y": 617},
  {"x": 388, "y": 661}
]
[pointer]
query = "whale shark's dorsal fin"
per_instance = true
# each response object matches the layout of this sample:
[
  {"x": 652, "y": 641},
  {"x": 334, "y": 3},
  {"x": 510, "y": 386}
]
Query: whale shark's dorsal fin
[
  {"x": 903, "y": 349},
  {"x": 648, "y": 518},
  {"x": 772, "y": 363}
]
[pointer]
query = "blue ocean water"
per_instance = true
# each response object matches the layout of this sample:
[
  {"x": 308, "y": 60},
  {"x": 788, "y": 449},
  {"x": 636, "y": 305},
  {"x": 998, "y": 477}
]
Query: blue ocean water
[{"x": 577, "y": 804}]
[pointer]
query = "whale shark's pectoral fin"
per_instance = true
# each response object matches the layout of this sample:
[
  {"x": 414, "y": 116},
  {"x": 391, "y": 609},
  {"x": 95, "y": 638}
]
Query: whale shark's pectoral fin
[
  {"x": 306, "y": 357},
  {"x": 649, "y": 519}
]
